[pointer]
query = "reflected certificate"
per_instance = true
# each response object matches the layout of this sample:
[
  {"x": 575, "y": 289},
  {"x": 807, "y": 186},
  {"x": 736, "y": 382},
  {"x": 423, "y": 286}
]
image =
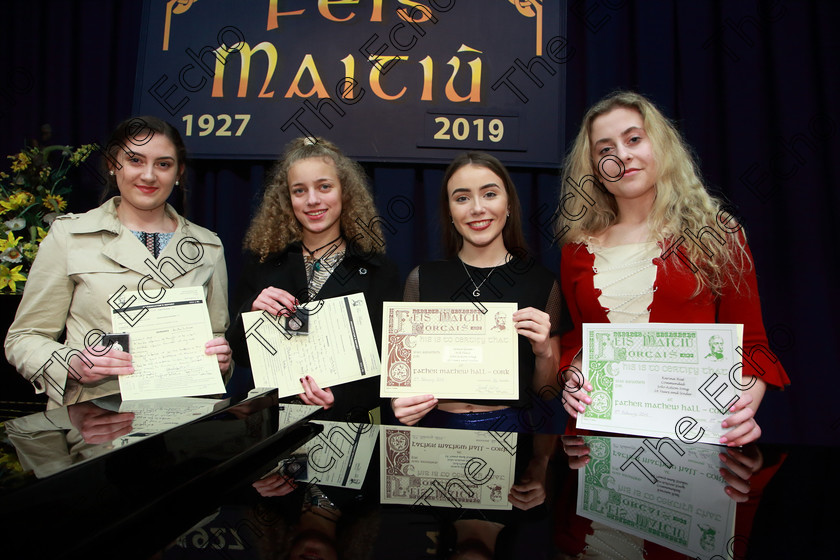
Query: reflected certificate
[
  {"x": 449, "y": 350},
  {"x": 660, "y": 379},
  {"x": 684, "y": 507},
  {"x": 445, "y": 468}
]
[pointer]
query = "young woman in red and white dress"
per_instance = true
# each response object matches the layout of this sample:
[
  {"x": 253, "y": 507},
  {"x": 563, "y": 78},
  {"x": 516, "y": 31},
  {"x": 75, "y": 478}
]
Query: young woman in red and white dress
[{"x": 628, "y": 254}]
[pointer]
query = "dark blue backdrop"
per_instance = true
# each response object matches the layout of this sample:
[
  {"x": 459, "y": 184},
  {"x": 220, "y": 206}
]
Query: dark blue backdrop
[{"x": 753, "y": 86}]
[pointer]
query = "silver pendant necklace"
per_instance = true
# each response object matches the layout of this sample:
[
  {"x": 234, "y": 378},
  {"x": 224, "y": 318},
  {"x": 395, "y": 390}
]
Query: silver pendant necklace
[{"x": 477, "y": 291}]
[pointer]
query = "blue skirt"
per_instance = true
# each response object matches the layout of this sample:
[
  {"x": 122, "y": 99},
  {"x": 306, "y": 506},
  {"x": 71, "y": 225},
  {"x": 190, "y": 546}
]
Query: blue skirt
[{"x": 503, "y": 420}]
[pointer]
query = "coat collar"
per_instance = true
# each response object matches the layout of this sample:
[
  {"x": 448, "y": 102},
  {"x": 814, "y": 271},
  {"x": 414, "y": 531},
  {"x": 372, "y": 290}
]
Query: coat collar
[{"x": 121, "y": 246}]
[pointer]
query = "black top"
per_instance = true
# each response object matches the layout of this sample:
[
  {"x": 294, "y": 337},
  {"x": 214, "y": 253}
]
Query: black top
[
  {"x": 375, "y": 275},
  {"x": 520, "y": 280}
]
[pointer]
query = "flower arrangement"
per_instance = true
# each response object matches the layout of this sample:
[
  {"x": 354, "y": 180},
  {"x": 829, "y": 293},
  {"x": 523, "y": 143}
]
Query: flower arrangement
[{"x": 31, "y": 197}]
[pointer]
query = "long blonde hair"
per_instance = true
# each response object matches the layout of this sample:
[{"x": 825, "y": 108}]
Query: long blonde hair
[
  {"x": 682, "y": 201},
  {"x": 275, "y": 225}
]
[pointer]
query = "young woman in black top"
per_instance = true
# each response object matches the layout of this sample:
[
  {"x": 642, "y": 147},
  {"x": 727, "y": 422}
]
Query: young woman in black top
[{"x": 487, "y": 262}]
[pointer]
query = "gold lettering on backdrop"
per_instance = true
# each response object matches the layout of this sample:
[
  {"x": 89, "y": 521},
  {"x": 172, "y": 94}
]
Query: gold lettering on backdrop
[
  {"x": 428, "y": 70},
  {"x": 245, "y": 53},
  {"x": 532, "y": 8},
  {"x": 349, "y": 74},
  {"x": 308, "y": 65},
  {"x": 173, "y": 7},
  {"x": 410, "y": 15},
  {"x": 324, "y": 8},
  {"x": 340, "y": 76},
  {"x": 375, "y": 72},
  {"x": 475, "y": 80},
  {"x": 273, "y": 15}
]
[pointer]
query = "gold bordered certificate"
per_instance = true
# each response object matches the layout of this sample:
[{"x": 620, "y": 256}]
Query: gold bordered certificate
[
  {"x": 669, "y": 494},
  {"x": 449, "y": 350},
  {"x": 661, "y": 380},
  {"x": 446, "y": 468}
]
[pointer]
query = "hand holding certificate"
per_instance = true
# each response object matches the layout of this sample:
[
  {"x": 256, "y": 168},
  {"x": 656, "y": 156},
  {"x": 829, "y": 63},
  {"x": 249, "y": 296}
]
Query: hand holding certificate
[
  {"x": 339, "y": 347},
  {"x": 451, "y": 350},
  {"x": 661, "y": 379},
  {"x": 168, "y": 340}
]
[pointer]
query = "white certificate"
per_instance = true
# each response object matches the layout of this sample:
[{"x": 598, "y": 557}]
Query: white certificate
[
  {"x": 683, "y": 507},
  {"x": 449, "y": 350},
  {"x": 154, "y": 416},
  {"x": 445, "y": 468},
  {"x": 340, "y": 455},
  {"x": 167, "y": 341},
  {"x": 661, "y": 380},
  {"x": 339, "y": 348}
]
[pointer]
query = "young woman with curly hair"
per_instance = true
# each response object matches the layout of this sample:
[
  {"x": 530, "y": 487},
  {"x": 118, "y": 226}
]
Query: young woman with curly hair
[
  {"x": 644, "y": 241},
  {"x": 316, "y": 236}
]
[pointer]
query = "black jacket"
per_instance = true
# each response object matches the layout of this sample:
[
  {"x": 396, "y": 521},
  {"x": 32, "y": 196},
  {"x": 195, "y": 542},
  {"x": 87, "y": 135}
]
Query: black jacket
[{"x": 374, "y": 275}]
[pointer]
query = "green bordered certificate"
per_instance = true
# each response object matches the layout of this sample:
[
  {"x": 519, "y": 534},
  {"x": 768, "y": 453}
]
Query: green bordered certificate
[
  {"x": 661, "y": 380},
  {"x": 681, "y": 505}
]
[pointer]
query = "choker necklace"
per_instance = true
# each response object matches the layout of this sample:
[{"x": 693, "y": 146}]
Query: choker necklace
[
  {"x": 316, "y": 265},
  {"x": 477, "y": 291}
]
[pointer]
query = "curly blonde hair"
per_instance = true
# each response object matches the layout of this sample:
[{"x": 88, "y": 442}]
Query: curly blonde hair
[
  {"x": 275, "y": 225},
  {"x": 682, "y": 201}
]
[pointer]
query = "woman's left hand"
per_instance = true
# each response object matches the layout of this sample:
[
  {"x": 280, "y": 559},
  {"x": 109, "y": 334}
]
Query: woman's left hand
[
  {"x": 314, "y": 395},
  {"x": 220, "y": 347},
  {"x": 529, "y": 492},
  {"x": 742, "y": 421},
  {"x": 740, "y": 466},
  {"x": 535, "y": 325}
]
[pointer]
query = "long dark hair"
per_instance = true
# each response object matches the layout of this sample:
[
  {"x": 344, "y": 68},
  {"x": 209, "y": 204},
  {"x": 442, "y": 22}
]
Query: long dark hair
[
  {"x": 138, "y": 131},
  {"x": 511, "y": 234}
]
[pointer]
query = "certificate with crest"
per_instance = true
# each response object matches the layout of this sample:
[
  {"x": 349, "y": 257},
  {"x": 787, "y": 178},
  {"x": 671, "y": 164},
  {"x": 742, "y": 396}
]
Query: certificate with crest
[
  {"x": 445, "y": 468},
  {"x": 682, "y": 506},
  {"x": 661, "y": 380},
  {"x": 449, "y": 350}
]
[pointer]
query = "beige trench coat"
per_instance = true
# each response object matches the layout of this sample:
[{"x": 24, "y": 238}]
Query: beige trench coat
[{"x": 84, "y": 261}]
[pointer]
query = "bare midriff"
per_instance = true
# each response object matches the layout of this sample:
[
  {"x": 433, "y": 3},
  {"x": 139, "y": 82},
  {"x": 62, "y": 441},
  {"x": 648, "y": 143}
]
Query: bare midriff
[{"x": 461, "y": 407}]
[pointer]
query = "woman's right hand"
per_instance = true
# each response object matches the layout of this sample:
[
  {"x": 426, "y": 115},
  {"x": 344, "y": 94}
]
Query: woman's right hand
[
  {"x": 98, "y": 425},
  {"x": 576, "y": 388},
  {"x": 409, "y": 410},
  {"x": 93, "y": 364},
  {"x": 275, "y": 485},
  {"x": 275, "y": 301}
]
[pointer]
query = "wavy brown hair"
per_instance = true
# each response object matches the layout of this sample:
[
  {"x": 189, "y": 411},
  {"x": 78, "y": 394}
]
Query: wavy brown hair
[
  {"x": 275, "y": 225},
  {"x": 512, "y": 232},
  {"x": 682, "y": 201}
]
